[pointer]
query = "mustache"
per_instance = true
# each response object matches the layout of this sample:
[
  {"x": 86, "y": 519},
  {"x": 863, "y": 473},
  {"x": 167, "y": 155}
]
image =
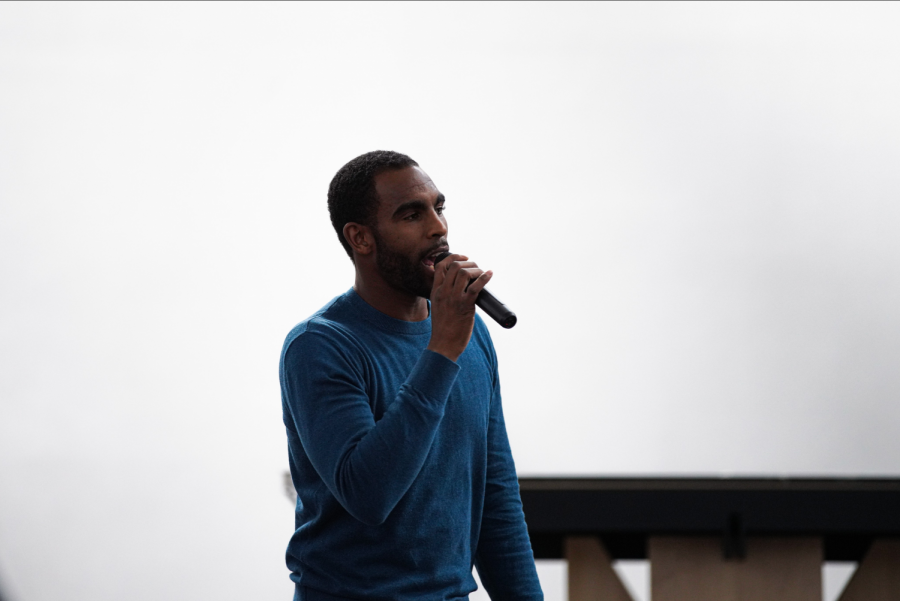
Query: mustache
[{"x": 442, "y": 244}]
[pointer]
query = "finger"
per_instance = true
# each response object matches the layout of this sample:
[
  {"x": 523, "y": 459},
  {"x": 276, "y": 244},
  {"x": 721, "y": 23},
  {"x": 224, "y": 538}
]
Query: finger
[
  {"x": 453, "y": 270},
  {"x": 478, "y": 285},
  {"x": 465, "y": 278},
  {"x": 440, "y": 271},
  {"x": 439, "y": 276},
  {"x": 451, "y": 258},
  {"x": 462, "y": 264},
  {"x": 458, "y": 266}
]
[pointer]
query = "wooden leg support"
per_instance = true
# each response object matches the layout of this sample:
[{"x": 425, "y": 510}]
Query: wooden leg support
[
  {"x": 774, "y": 569},
  {"x": 878, "y": 576},
  {"x": 591, "y": 575}
]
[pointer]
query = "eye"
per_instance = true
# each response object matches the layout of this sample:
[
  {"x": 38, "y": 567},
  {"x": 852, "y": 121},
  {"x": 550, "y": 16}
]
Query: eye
[
  {"x": 440, "y": 210},
  {"x": 411, "y": 217}
]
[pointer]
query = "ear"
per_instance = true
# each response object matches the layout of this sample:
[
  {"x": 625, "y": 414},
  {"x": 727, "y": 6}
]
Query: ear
[{"x": 360, "y": 238}]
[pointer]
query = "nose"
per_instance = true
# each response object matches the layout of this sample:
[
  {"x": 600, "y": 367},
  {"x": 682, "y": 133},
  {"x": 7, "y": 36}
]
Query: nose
[{"x": 437, "y": 225}]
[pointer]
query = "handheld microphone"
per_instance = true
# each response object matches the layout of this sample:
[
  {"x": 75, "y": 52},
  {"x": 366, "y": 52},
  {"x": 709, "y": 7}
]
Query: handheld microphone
[{"x": 489, "y": 303}]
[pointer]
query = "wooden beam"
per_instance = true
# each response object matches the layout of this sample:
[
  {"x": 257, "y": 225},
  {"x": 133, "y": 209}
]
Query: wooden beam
[
  {"x": 878, "y": 576},
  {"x": 591, "y": 575},
  {"x": 774, "y": 569}
]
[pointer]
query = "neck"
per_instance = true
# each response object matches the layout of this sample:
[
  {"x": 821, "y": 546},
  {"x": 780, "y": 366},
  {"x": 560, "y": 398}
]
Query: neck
[{"x": 390, "y": 301}]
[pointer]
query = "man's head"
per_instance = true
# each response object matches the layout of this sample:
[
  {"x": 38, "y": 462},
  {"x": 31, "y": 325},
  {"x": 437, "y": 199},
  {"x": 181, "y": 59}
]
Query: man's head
[
  {"x": 388, "y": 215},
  {"x": 352, "y": 196}
]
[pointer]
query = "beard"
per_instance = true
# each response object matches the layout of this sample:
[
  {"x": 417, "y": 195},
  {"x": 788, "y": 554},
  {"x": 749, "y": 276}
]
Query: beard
[{"x": 401, "y": 271}]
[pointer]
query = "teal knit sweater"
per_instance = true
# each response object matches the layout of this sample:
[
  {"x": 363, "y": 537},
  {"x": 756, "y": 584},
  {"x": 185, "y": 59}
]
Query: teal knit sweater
[{"x": 401, "y": 463}]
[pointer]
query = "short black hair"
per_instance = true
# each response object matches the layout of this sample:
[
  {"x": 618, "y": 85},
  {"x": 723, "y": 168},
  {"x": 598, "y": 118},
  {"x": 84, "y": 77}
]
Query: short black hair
[{"x": 351, "y": 194}]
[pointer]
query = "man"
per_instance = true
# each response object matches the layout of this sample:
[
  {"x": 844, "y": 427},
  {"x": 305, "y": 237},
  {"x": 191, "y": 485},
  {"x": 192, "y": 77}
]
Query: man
[{"x": 397, "y": 444}]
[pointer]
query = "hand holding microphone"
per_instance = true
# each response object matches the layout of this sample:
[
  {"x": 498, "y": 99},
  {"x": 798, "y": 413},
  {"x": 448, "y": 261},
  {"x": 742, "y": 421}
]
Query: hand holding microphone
[
  {"x": 457, "y": 289},
  {"x": 488, "y": 303}
]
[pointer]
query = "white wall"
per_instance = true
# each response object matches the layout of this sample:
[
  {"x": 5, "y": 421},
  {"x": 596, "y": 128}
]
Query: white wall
[{"x": 692, "y": 208}]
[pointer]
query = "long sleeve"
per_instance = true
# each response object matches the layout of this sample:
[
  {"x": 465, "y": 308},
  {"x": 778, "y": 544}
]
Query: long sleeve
[
  {"x": 504, "y": 558},
  {"x": 368, "y": 466}
]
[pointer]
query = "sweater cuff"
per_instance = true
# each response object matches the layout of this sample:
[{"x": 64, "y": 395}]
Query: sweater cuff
[{"x": 433, "y": 376}]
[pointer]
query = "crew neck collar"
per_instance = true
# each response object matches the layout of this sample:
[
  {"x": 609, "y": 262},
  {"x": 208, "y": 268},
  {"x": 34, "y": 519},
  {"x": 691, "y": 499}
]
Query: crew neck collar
[{"x": 386, "y": 322}]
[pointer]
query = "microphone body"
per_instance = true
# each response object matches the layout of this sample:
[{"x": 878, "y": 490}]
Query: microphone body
[{"x": 489, "y": 303}]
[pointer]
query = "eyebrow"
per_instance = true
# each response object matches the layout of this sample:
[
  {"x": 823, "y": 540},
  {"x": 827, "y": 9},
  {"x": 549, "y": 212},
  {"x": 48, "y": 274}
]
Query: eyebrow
[{"x": 418, "y": 204}]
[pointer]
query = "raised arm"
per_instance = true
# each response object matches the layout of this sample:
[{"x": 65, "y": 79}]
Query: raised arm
[{"x": 367, "y": 465}]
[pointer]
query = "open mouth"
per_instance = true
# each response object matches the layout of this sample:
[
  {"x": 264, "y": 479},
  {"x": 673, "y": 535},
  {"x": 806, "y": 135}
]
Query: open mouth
[{"x": 428, "y": 261}]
